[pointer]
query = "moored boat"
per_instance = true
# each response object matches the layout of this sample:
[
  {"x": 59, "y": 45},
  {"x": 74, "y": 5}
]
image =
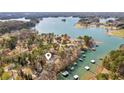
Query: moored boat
[
  {"x": 93, "y": 61},
  {"x": 93, "y": 49},
  {"x": 80, "y": 59},
  {"x": 76, "y": 77},
  {"x": 72, "y": 68},
  {"x": 65, "y": 73},
  {"x": 75, "y": 64},
  {"x": 87, "y": 68},
  {"x": 82, "y": 52},
  {"x": 84, "y": 56}
]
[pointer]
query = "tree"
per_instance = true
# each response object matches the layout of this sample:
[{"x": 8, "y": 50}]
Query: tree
[
  {"x": 28, "y": 76},
  {"x": 87, "y": 40},
  {"x": 102, "y": 76},
  {"x": 113, "y": 76},
  {"x": 12, "y": 42},
  {"x": 1, "y": 71},
  {"x": 80, "y": 37},
  {"x": 6, "y": 76},
  {"x": 115, "y": 63},
  {"x": 106, "y": 63}
]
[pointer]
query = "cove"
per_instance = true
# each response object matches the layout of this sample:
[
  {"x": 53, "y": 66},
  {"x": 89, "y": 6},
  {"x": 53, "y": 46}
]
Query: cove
[{"x": 57, "y": 26}]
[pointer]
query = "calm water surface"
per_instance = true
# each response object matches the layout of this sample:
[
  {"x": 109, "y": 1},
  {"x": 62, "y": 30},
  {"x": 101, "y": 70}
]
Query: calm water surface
[{"x": 55, "y": 25}]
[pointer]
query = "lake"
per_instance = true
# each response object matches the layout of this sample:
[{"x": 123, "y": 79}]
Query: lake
[{"x": 57, "y": 26}]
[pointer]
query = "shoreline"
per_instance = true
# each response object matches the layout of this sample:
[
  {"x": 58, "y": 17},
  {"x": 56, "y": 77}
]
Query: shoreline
[
  {"x": 99, "y": 69},
  {"x": 112, "y": 32},
  {"x": 115, "y": 33}
]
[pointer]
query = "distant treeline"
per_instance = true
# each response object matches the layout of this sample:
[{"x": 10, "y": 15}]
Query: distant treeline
[
  {"x": 8, "y": 26},
  {"x": 9, "y": 15}
]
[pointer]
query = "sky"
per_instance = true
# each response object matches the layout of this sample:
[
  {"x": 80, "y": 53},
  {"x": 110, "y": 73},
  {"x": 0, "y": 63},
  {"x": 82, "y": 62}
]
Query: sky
[{"x": 61, "y": 5}]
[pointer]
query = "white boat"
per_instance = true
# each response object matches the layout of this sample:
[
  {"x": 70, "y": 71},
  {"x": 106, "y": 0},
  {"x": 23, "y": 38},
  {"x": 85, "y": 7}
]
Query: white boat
[
  {"x": 93, "y": 61},
  {"x": 76, "y": 77},
  {"x": 65, "y": 73},
  {"x": 93, "y": 49},
  {"x": 87, "y": 67},
  {"x": 80, "y": 59},
  {"x": 82, "y": 52},
  {"x": 75, "y": 64},
  {"x": 84, "y": 55},
  {"x": 72, "y": 68}
]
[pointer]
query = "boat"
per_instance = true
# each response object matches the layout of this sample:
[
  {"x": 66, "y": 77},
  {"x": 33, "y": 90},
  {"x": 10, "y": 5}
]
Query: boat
[
  {"x": 72, "y": 68},
  {"x": 75, "y": 64},
  {"x": 76, "y": 77},
  {"x": 65, "y": 73},
  {"x": 80, "y": 59},
  {"x": 84, "y": 56},
  {"x": 87, "y": 68},
  {"x": 82, "y": 52},
  {"x": 93, "y": 61},
  {"x": 93, "y": 49}
]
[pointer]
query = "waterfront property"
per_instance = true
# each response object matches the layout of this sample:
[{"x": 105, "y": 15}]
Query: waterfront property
[
  {"x": 62, "y": 43},
  {"x": 99, "y": 34}
]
